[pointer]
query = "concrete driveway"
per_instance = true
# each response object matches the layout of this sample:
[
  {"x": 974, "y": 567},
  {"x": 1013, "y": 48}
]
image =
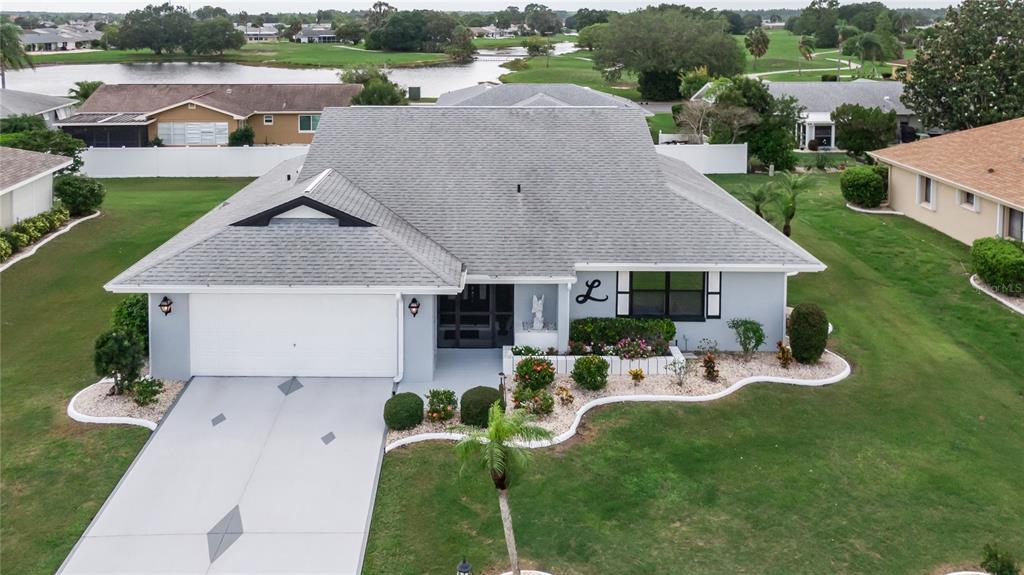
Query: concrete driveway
[{"x": 247, "y": 475}]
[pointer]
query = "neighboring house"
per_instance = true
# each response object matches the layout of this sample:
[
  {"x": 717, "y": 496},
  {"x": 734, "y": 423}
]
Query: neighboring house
[
  {"x": 820, "y": 99},
  {"x": 59, "y": 39},
  {"x": 265, "y": 33},
  {"x": 409, "y": 229},
  {"x": 967, "y": 185},
  {"x": 769, "y": 25},
  {"x": 132, "y": 115},
  {"x": 49, "y": 108},
  {"x": 479, "y": 31},
  {"x": 315, "y": 34},
  {"x": 534, "y": 95},
  {"x": 26, "y": 183}
]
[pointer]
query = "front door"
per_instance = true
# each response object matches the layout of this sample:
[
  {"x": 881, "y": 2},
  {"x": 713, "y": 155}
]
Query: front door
[{"x": 480, "y": 316}]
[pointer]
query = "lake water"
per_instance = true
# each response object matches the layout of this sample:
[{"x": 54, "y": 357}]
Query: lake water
[{"x": 433, "y": 80}]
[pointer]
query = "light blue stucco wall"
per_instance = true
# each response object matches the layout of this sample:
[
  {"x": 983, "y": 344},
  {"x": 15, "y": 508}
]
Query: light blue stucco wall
[
  {"x": 168, "y": 338},
  {"x": 523, "y": 310},
  {"x": 604, "y": 287},
  {"x": 420, "y": 339}
]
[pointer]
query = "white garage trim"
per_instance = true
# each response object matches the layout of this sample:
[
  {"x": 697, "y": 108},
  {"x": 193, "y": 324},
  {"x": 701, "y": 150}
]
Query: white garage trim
[{"x": 312, "y": 335}]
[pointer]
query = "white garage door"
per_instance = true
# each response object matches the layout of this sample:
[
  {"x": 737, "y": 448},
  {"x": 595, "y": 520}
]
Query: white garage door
[{"x": 303, "y": 335}]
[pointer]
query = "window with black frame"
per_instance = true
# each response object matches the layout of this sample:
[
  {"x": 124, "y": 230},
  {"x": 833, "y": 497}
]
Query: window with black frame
[{"x": 675, "y": 295}]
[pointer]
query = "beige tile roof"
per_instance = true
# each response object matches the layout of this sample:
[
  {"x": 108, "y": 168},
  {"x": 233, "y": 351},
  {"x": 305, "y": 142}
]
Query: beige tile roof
[
  {"x": 239, "y": 99},
  {"x": 16, "y": 165},
  {"x": 989, "y": 159}
]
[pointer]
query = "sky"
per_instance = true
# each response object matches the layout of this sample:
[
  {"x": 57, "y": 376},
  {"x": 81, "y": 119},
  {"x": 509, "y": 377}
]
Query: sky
[{"x": 257, "y": 6}]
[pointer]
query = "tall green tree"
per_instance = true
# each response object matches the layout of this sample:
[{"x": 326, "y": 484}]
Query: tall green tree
[
  {"x": 543, "y": 20},
  {"x": 863, "y": 129},
  {"x": 208, "y": 12},
  {"x": 756, "y": 42},
  {"x": 498, "y": 451},
  {"x": 590, "y": 36},
  {"x": 214, "y": 36},
  {"x": 378, "y": 15},
  {"x": 163, "y": 28},
  {"x": 12, "y": 53},
  {"x": 461, "y": 48},
  {"x": 745, "y": 111},
  {"x": 789, "y": 189},
  {"x": 377, "y": 92},
  {"x": 83, "y": 89},
  {"x": 971, "y": 73}
]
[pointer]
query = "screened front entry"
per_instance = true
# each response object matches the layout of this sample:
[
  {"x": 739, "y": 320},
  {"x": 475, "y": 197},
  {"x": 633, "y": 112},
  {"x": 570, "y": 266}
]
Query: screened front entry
[{"x": 481, "y": 316}]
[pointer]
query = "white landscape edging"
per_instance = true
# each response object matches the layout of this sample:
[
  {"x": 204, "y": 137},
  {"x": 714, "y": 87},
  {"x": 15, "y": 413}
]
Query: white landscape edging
[
  {"x": 643, "y": 398},
  {"x": 976, "y": 282},
  {"x": 79, "y": 416},
  {"x": 31, "y": 250},
  {"x": 877, "y": 212}
]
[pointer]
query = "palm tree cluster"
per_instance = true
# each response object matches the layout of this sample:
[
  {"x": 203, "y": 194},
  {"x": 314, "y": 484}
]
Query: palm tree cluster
[{"x": 781, "y": 195}]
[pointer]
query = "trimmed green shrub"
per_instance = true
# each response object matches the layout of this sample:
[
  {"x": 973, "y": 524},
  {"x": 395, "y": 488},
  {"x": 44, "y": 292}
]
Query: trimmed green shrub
[
  {"x": 525, "y": 350},
  {"x": 5, "y": 249},
  {"x": 534, "y": 401},
  {"x": 998, "y": 562},
  {"x": 441, "y": 404},
  {"x": 829, "y": 78},
  {"x": 863, "y": 186},
  {"x": 21, "y": 123},
  {"x": 1000, "y": 263},
  {"x": 808, "y": 332},
  {"x": 17, "y": 240},
  {"x": 590, "y": 372},
  {"x": 749, "y": 334},
  {"x": 118, "y": 355},
  {"x": 81, "y": 195},
  {"x": 475, "y": 404},
  {"x": 403, "y": 411},
  {"x": 535, "y": 373},
  {"x": 609, "y": 331},
  {"x": 146, "y": 391},
  {"x": 244, "y": 136},
  {"x": 131, "y": 315}
]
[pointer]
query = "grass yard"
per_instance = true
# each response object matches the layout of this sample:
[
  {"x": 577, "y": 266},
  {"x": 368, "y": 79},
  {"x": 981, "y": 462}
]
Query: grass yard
[
  {"x": 572, "y": 68},
  {"x": 783, "y": 54},
  {"x": 495, "y": 43},
  {"x": 913, "y": 463},
  {"x": 262, "y": 53},
  {"x": 661, "y": 122},
  {"x": 55, "y": 472}
]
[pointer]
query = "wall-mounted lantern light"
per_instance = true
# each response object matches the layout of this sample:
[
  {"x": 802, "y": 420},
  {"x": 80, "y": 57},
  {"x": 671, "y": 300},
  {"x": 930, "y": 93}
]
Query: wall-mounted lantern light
[
  {"x": 165, "y": 305},
  {"x": 414, "y": 307},
  {"x": 464, "y": 568}
]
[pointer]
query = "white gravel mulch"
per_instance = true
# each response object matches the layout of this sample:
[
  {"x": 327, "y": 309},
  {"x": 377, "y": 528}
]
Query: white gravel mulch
[
  {"x": 731, "y": 367},
  {"x": 94, "y": 401},
  {"x": 1016, "y": 302}
]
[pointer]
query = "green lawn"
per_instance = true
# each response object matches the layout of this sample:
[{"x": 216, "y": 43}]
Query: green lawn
[
  {"x": 493, "y": 43},
  {"x": 783, "y": 54},
  {"x": 572, "y": 68},
  {"x": 56, "y": 473},
  {"x": 914, "y": 462},
  {"x": 661, "y": 122},
  {"x": 262, "y": 53}
]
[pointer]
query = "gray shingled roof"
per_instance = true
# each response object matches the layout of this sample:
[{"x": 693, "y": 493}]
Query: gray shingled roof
[
  {"x": 825, "y": 97},
  {"x": 16, "y": 102},
  {"x": 492, "y": 192},
  {"x": 534, "y": 95},
  {"x": 20, "y": 165}
]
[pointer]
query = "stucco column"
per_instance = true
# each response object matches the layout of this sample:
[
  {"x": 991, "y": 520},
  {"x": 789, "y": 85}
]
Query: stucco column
[
  {"x": 834, "y": 137},
  {"x": 563, "y": 316}
]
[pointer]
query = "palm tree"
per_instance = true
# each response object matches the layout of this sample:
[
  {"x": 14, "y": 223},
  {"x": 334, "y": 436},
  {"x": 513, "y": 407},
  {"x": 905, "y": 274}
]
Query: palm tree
[
  {"x": 84, "y": 89},
  {"x": 806, "y": 48},
  {"x": 12, "y": 53},
  {"x": 870, "y": 47},
  {"x": 759, "y": 198},
  {"x": 756, "y": 42},
  {"x": 791, "y": 186},
  {"x": 499, "y": 451}
]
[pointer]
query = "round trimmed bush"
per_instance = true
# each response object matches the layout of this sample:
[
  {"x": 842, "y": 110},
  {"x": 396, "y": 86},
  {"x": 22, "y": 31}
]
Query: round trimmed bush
[
  {"x": 5, "y": 250},
  {"x": 808, "y": 332},
  {"x": 863, "y": 186},
  {"x": 590, "y": 372},
  {"x": 535, "y": 373},
  {"x": 1000, "y": 262},
  {"x": 403, "y": 411},
  {"x": 81, "y": 195},
  {"x": 475, "y": 404}
]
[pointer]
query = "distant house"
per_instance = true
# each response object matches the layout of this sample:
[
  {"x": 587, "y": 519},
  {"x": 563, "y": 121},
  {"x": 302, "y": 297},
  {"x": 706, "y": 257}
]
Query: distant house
[
  {"x": 820, "y": 99},
  {"x": 26, "y": 183},
  {"x": 478, "y": 31},
  {"x": 315, "y": 34},
  {"x": 967, "y": 185},
  {"x": 68, "y": 37},
  {"x": 769, "y": 25},
  {"x": 49, "y": 108},
  {"x": 534, "y": 95},
  {"x": 132, "y": 115},
  {"x": 264, "y": 33}
]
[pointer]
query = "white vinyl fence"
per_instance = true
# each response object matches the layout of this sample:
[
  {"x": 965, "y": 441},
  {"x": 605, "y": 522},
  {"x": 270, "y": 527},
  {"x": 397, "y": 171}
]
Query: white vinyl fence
[
  {"x": 709, "y": 158},
  {"x": 186, "y": 162}
]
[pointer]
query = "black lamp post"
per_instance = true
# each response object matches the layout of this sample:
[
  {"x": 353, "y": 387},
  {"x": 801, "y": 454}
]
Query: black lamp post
[
  {"x": 165, "y": 305},
  {"x": 464, "y": 568},
  {"x": 414, "y": 307}
]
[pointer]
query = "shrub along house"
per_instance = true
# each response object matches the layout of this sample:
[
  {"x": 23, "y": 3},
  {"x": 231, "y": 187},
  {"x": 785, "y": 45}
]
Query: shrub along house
[
  {"x": 134, "y": 115},
  {"x": 26, "y": 183},
  {"x": 967, "y": 184},
  {"x": 408, "y": 231}
]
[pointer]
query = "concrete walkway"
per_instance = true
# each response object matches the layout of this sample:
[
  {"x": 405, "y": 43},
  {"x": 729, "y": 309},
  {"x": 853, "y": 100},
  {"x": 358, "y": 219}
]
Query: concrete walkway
[{"x": 247, "y": 475}]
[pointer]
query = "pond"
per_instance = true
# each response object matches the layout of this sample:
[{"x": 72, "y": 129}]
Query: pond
[{"x": 433, "y": 80}]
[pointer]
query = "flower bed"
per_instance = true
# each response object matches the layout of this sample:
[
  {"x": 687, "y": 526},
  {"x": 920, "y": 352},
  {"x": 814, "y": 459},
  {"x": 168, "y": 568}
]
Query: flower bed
[
  {"x": 563, "y": 364},
  {"x": 94, "y": 402}
]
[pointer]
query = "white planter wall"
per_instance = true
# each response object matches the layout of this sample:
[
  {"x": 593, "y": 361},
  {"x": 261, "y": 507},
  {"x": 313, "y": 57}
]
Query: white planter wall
[
  {"x": 709, "y": 158},
  {"x": 186, "y": 162},
  {"x": 616, "y": 365}
]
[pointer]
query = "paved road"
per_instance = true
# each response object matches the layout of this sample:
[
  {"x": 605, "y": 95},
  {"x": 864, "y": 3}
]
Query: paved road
[{"x": 247, "y": 475}]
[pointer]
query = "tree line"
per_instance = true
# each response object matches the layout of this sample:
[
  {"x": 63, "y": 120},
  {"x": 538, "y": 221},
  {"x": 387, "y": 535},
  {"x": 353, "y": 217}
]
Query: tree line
[{"x": 166, "y": 28}]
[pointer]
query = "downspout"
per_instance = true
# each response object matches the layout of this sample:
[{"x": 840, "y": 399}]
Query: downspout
[{"x": 400, "y": 368}]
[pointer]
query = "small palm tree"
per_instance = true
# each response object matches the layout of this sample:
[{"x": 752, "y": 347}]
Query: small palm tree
[
  {"x": 789, "y": 188},
  {"x": 84, "y": 89},
  {"x": 806, "y": 48},
  {"x": 498, "y": 451},
  {"x": 12, "y": 53},
  {"x": 759, "y": 198},
  {"x": 756, "y": 42}
]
